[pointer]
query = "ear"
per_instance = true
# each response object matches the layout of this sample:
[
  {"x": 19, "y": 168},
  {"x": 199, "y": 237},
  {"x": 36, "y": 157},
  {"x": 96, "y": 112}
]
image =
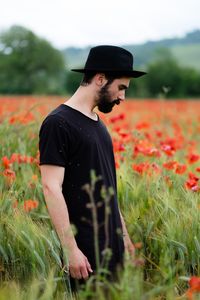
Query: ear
[{"x": 100, "y": 79}]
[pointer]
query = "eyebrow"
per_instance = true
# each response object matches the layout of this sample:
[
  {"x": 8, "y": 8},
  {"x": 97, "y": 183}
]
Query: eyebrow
[{"x": 123, "y": 86}]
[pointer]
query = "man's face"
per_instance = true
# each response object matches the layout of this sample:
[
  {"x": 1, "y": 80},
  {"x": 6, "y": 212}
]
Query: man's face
[{"x": 111, "y": 94}]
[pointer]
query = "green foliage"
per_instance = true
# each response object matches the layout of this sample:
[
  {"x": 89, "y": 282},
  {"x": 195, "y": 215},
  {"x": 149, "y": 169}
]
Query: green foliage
[
  {"x": 166, "y": 221},
  {"x": 73, "y": 81},
  {"x": 29, "y": 64},
  {"x": 48, "y": 288},
  {"x": 138, "y": 88},
  {"x": 164, "y": 73},
  {"x": 167, "y": 75}
]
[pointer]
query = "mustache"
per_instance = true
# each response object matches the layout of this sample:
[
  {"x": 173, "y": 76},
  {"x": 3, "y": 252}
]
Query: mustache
[{"x": 116, "y": 101}]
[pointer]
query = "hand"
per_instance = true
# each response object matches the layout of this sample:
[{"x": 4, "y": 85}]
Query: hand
[
  {"x": 130, "y": 250},
  {"x": 129, "y": 247},
  {"x": 79, "y": 265}
]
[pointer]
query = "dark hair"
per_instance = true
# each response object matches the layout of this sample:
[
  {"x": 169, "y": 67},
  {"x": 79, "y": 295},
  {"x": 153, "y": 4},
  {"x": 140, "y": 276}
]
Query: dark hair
[
  {"x": 110, "y": 76},
  {"x": 87, "y": 78}
]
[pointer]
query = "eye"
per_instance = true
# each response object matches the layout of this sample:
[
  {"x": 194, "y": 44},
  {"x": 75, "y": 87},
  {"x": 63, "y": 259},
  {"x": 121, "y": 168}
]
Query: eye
[{"x": 122, "y": 87}]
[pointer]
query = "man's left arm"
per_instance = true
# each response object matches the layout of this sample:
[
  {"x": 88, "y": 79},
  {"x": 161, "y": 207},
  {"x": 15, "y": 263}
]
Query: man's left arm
[{"x": 129, "y": 246}]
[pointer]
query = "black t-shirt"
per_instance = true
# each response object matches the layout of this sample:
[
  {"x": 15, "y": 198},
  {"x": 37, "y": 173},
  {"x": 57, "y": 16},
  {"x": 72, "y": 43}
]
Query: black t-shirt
[{"x": 70, "y": 139}]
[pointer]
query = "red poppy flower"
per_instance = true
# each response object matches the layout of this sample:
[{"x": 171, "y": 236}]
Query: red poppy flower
[
  {"x": 192, "y": 158},
  {"x": 168, "y": 149},
  {"x": 9, "y": 176},
  {"x": 6, "y": 162},
  {"x": 141, "y": 168},
  {"x": 170, "y": 165},
  {"x": 193, "y": 176},
  {"x": 117, "y": 118},
  {"x": 194, "y": 284},
  {"x": 180, "y": 169},
  {"x": 142, "y": 125},
  {"x": 30, "y": 205},
  {"x": 192, "y": 183}
]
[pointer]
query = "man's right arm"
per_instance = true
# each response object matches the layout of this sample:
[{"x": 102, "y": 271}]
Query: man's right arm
[{"x": 52, "y": 179}]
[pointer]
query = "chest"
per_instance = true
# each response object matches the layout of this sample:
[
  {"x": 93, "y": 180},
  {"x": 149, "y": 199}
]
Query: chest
[{"x": 92, "y": 138}]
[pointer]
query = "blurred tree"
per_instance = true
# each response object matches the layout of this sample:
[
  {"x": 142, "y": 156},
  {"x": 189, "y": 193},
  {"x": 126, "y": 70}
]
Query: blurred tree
[
  {"x": 167, "y": 75},
  {"x": 29, "y": 64},
  {"x": 73, "y": 81},
  {"x": 164, "y": 74},
  {"x": 138, "y": 88},
  {"x": 190, "y": 82}
]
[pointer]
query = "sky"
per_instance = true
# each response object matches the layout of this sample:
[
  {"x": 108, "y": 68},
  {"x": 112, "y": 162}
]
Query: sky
[{"x": 82, "y": 23}]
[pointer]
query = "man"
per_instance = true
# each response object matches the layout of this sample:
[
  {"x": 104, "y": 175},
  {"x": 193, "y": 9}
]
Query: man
[{"x": 78, "y": 168}]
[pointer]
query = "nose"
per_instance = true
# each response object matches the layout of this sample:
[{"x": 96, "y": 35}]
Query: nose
[{"x": 122, "y": 95}]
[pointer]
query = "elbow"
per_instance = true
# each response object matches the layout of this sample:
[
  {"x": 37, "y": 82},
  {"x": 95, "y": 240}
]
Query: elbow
[{"x": 51, "y": 188}]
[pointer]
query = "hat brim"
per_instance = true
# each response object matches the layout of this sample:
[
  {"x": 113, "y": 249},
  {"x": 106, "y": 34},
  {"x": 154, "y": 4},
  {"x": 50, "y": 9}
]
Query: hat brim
[{"x": 133, "y": 73}]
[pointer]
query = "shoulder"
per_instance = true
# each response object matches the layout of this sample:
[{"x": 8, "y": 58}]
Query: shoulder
[
  {"x": 50, "y": 121},
  {"x": 54, "y": 125},
  {"x": 59, "y": 114},
  {"x": 56, "y": 119}
]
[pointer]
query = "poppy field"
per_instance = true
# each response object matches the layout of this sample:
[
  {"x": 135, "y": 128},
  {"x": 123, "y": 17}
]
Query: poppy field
[{"x": 157, "y": 155}]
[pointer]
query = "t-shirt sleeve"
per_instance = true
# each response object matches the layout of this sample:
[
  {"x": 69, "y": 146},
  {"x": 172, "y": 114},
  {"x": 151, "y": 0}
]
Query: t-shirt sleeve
[{"x": 53, "y": 142}]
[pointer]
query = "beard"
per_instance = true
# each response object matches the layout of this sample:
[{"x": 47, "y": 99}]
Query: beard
[{"x": 105, "y": 103}]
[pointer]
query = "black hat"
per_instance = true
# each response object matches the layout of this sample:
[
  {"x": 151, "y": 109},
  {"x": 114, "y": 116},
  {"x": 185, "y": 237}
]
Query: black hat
[{"x": 110, "y": 59}]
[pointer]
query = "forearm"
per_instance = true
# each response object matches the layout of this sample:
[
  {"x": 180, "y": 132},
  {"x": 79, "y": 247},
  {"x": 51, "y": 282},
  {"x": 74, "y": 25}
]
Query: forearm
[
  {"x": 129, "y": 246},
  {"x": 59, "y": 215},
  {"x": 52, "y": 182},
  {"x": 124, "y": 229}
]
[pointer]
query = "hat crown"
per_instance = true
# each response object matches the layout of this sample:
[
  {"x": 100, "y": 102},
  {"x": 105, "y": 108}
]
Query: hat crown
[{"x": 109, "y": 58}]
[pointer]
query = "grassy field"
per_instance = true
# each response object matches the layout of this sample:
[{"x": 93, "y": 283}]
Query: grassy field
[{"x": 157, "y": 154}]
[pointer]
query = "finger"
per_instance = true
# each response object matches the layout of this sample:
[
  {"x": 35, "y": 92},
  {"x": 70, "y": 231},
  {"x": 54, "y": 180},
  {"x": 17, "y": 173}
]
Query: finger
[
  {"x": 84, "y": 272},
  {"x": 131, "y": 248},
  {"x": 72, "y": 274},
  {"x": 75, "y": 273},
  {"x": 88, "y": 266},
  {"x": 78, "y": 274}
]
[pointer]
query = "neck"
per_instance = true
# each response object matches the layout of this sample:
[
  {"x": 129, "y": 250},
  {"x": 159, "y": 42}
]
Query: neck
[{"x": 83, "y": 100}]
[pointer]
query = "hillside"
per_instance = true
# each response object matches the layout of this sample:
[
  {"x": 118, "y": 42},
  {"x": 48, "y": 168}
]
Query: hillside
[
  {"x": 188, "y": 55},
  {"x": 186, "y": 50}
]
